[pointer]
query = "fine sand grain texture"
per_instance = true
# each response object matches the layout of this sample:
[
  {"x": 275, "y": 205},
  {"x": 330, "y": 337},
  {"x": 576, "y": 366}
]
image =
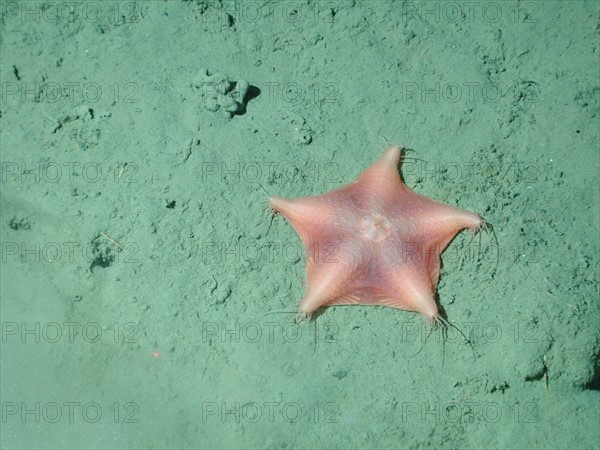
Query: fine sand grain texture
[{"x": 149, "y": 301}]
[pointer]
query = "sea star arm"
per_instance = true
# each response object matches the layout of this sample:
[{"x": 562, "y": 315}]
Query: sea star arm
[
  {"x": 329, "y": 276},
  {"x": 305, "y": 214}
]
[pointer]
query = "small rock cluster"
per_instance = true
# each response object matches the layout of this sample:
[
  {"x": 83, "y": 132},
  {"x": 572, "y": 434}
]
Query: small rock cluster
[{"x": 220, "y": 93}]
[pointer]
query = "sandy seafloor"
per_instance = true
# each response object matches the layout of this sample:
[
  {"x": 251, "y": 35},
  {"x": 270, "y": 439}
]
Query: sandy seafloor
[{"x": 147, "y": 299}]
